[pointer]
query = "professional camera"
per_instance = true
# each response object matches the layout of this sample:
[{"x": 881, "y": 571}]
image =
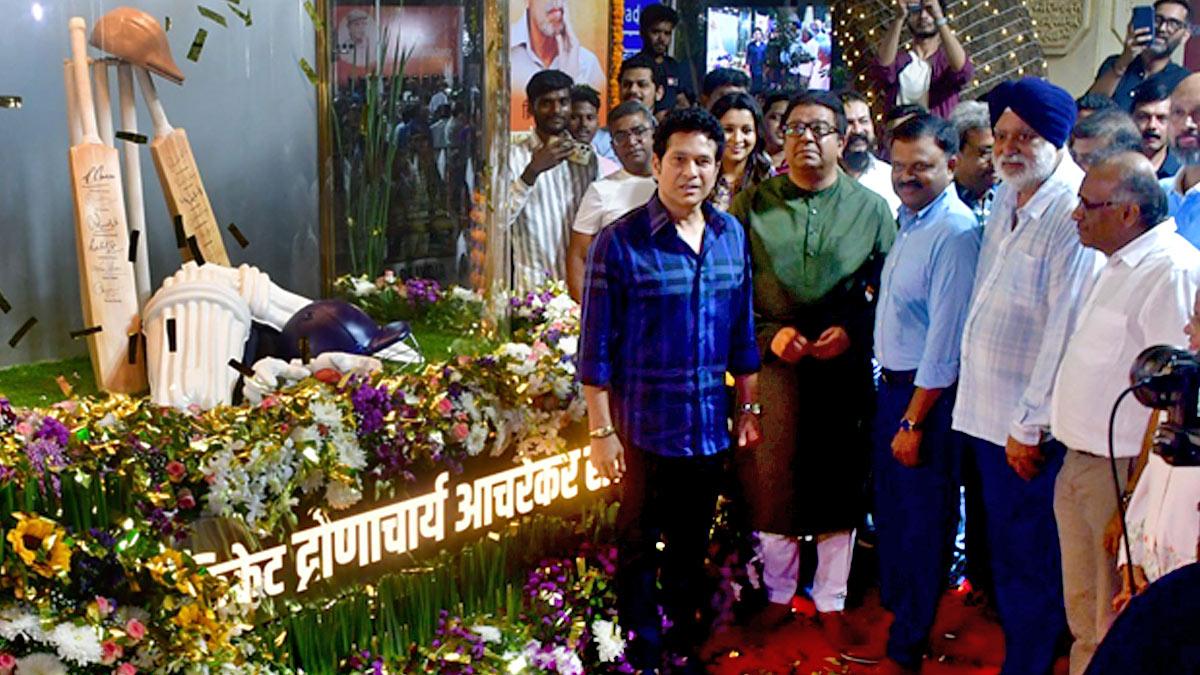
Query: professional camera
[{"x": 1168, "y": 378}]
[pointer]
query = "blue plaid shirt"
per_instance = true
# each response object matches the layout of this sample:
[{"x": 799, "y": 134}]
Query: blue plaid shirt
[{"x": 661, "y": 326}]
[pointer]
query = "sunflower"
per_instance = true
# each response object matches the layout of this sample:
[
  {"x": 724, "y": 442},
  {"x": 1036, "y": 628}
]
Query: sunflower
[{"x": 41, "y": 544}]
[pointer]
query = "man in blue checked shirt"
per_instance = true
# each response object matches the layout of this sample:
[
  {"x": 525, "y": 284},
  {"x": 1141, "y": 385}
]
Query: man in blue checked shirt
[
  {"x": 923, "y": 300},
  {"x": 666, "y": 313}
]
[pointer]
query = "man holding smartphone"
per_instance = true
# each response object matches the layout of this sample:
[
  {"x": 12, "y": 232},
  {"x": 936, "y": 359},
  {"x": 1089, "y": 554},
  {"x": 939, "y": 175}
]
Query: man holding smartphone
[
  {"x": 1147, "y": 54},
  {"x": 933, "y": 72}
]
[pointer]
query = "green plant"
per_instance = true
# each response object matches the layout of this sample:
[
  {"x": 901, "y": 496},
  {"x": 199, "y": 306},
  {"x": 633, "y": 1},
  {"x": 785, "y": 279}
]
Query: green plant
[{"x": 367, "y": 149}]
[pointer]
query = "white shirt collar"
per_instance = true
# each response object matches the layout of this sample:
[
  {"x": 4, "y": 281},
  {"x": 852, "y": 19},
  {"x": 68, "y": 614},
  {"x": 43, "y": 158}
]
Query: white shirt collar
[
  {"x": 1133, "y": 253},
  {"x": 519, "y": 37}
]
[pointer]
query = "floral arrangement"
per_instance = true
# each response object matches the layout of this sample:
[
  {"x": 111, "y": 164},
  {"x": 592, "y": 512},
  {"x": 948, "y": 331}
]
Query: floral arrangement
[
  {"x": 617, "y": 52},
  {"x": 96, "y": 494}
]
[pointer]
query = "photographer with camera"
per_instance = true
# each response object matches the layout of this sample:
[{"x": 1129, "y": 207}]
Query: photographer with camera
[
  {"x": 1147, "y": 53},
  {"x": 1142, "y": 297},
  {"x": 933, "y": 72}
]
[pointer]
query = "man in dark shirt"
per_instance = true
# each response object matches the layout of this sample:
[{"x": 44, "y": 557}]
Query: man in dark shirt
[
  {"x": 1147, "y": 54},
  {"x": 1151, "y": 110},
  {"x": 667, "y": 311},
  {"x": 657, "y": 26},
  {"x": 756, "y": 59}
]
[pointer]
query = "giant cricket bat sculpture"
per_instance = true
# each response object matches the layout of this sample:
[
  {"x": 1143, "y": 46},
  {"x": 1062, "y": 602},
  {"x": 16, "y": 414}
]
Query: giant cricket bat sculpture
[
  {"x": 180, "y": 179},
  {"x": 102, "y": 242}
]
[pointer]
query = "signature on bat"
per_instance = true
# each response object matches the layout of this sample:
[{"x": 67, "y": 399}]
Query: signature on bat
[{"x": 96, "y": 175}]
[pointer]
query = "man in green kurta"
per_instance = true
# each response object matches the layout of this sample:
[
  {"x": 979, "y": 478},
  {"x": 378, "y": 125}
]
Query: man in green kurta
[{"x": 818, "y": 240}]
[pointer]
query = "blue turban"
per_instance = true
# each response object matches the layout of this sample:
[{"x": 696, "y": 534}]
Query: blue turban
[{"x": 1048, "y": 109}]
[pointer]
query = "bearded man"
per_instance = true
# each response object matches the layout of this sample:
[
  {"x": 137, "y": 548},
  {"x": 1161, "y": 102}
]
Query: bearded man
[
  {"x": 1147, "y": 55},
  {"x": 543, "y": 39}
]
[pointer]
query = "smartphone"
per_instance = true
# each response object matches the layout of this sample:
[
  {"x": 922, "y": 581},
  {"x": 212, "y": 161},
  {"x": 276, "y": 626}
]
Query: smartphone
[
  {"x": 582, "y": 154},
  {"x": 1143, "y": 18}
]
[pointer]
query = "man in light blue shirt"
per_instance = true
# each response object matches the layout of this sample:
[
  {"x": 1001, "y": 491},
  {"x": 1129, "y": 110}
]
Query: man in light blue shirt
[
  {"x": 1183, "y": 189},
  {"x": 923, "y": 300}
]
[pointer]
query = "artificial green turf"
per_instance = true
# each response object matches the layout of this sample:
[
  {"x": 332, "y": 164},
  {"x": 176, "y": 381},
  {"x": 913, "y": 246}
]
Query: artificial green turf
[{"x": 35, "y": 384}]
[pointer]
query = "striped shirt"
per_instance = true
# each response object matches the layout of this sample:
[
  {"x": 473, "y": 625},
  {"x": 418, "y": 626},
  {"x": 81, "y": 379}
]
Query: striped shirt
[
  {"x": 662, "y": 324},
  {"x": 1030, "y": 284},
  {"x": 540, "y": 216}
]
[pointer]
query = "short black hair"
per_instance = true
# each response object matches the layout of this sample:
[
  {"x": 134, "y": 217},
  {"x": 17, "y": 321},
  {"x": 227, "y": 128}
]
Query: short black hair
[
  {"x": 628, "y": 109},
  {"x": 642, "y": 60},
  {"x": 1092, "y": 101},
  {"x": 775, "y": 97},
  {"x": 848, "y": 95},
  {"x": 823, "y": 99},
  {"x": 685, "y": 121},
  {"x": 723, "y": 77},
  {"x": 545, "y": 81},
  {"x": 1182, "y": 3},
  {"x": 902, "y": 111},
  {"x": 656, "y": 13},
  {"x": 1111, "y": 123},
  {"x": 1152, "y": 90},
  {"x": 925, "y": 125},
  {"x": 581, "y": 93}
]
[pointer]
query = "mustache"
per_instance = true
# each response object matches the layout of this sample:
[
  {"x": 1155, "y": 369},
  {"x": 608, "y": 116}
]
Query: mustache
[
  {"x": 850, "y": 138},
  {"x": 1151, "y": 135},
  {"x": 909, "y": 184}
]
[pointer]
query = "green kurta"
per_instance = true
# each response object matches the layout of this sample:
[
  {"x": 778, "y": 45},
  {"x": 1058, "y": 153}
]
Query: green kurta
[{"x": 817, "y": 258}]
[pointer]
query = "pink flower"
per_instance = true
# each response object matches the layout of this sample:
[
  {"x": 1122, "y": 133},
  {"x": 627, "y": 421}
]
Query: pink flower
[
  {"x": 110, "y": 652},
  {"x": 103, "y": 605},
  {"x": 125, "y": 669},
  {"x": 135, "y": 629},
  {"x": 185, "y": 501},
  {"x": 445, "y": 406},
  {"x": 7, "y": 662},
  {"x": 24, "y": 428},
  {"x": 460, "y": 431},
  {"x": 176, "y": 470}
]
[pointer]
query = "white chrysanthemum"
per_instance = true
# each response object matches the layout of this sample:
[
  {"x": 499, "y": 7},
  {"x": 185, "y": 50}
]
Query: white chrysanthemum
[
  {"x": 465, "y": 294},
  {"x": 437, "y": 440},
  {"x": 361, "y": 286},
  {"x": 566, "y": 661},
  {"x": 15, "y": 623},
  {"x": 487, "y": 633},
  {"x": 78, "y": 644},
  {"x": 476, "y": 439},
  {"x": 341, "y": 496},
  {"x": 568, "y": 344},
  {"x": 560, "y": 306},
  {"x": 41, "y": 664},
  {"x": 516, "y": 350},
  {"x": 609, "y": 644},
  {"x": 515, "y": 663},
  {"x": 326, "y": 412},
  {"x": 350, "y": 454}
]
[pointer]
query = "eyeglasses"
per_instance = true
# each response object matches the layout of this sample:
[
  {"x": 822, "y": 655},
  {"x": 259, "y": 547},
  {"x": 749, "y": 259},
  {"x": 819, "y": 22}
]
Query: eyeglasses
[
  {"x": 628, "y": 134},
  {"x": 1090, "y": 206},
  {"x": 819, "y": 129},
  {"x": 1170, "y": 25}
]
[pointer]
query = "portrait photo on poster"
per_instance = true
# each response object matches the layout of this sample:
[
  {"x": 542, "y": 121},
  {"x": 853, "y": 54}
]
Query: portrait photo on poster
[{"x": 567, "y": 35}]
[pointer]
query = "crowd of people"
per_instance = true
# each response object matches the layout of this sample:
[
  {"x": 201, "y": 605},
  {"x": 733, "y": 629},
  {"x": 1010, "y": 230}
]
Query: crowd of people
[{"x": 782, "y": 305}]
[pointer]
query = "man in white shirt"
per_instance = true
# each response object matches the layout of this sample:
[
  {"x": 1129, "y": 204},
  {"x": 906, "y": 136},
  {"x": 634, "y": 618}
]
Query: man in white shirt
[
  {"x": 858, "y": 155},
  {"x": 544, "y": 195},
  {"x": 544, "y": 39},
  {"x": 632, "y": 127},
  {"x": 1141, "y": 298},
  {"x": 1032, "y": 277}
]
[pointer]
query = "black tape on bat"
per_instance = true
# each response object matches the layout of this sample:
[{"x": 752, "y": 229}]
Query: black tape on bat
[
  {"x": 84, "y": 332},
  {"x": 171, "y": 335},
  {"x": 4, "y": 306},
  {"x": 134, "y": 338},
  {"x": 16, "y": 338},
  {"x": 193, "y": 54},
  {"x": 237, "y": 234},
  {"x": 194, "y": 247},
  {"x": 132, "y": 137},
  {"x": 133, "y": 241},
  {"x": 242, "y": 368},
  {"x": 180, "y": 233}
]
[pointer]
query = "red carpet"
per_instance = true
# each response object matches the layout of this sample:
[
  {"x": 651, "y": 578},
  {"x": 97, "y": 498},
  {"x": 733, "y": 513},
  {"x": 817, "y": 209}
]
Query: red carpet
[{"x": 966, "y": 642}]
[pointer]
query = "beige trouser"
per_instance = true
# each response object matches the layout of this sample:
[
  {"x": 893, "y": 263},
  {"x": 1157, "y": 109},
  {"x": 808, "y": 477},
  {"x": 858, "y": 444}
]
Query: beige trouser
[{"x": 1084, "y": 501}]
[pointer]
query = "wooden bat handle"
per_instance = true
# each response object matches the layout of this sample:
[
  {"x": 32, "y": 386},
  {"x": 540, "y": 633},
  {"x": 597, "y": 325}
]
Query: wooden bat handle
[
  {"x": 162, "y": 128},
  {"x": 104, "y": 116},
  {"x": 132, "y": 169},
  {"x": 83, "y": 81},
  {"x": 74, "y": 129}
]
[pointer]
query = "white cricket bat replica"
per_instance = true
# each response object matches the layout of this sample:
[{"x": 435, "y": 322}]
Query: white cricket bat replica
[
  {"x": 102, "y": 243},
  {"x": 180, "y": 179}
]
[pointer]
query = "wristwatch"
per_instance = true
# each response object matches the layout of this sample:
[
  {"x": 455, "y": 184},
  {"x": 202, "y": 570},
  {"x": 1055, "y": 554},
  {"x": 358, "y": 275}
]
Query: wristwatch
[
  {"x": 752, "y": 408},
  {"x": 907, "y": 424},
  {"x": 941, "y": 22}
]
